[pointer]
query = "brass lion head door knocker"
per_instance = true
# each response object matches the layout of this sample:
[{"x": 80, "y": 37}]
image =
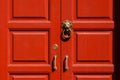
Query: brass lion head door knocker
[{"x": 67, "y": 29}]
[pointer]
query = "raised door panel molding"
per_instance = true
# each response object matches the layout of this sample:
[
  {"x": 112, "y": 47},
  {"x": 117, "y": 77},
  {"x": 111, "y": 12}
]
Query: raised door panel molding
[
  {"x": 93, "y": 46},
  {"x": 29, "y": 77},
  {"x": 30, "y": 9},
  {"x": 29, "y": 46},
  {"x": 93, "y": 77},
  {"x": 94, "y": 9}
]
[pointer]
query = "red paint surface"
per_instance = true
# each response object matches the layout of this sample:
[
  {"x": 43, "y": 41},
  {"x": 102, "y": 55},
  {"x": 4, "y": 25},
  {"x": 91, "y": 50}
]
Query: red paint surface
[{"x": 29, "y": 28}]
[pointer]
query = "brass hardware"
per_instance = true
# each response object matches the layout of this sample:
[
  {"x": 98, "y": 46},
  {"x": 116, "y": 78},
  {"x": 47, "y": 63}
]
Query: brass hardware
[
  {"x": 66, "y": 62},
  {"x": 54, "y": 62},
  {"x": 67, "y": 29},
  {"x": 55, "y": 46}
]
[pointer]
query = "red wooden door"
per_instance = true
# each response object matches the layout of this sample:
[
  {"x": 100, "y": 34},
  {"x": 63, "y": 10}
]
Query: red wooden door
[
  {"x": 27, "y": 33},
  {"x": 89, "y": 50},
  {"x": 30, "y": 30}
]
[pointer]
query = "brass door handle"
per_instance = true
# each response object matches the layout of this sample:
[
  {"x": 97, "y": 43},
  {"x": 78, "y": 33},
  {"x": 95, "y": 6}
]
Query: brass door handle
[
  {"x": 66, "y": 62},
  {"x": 54, "y": 62}
]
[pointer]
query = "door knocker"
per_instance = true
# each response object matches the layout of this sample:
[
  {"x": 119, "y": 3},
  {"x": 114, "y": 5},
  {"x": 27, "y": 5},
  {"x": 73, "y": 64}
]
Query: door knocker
[{"x": 67, "y": 29}]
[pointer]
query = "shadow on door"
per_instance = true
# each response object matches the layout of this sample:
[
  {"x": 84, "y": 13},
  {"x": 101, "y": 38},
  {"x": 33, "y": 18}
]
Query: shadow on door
[{"x": 116, "y": 52}]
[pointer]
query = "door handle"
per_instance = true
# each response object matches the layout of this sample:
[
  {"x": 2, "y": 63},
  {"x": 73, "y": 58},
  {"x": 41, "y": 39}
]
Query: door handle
[
  {"x": 54, "y": 62},
  {"x": 66, "y": 62}
]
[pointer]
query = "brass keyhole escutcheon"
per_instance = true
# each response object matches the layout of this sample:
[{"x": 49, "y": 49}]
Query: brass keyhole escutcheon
[{"x": 55, "y": 46}]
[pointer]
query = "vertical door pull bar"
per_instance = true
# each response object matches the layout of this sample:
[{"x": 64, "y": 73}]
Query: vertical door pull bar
[
  {"x": 54, "y": 62},
  {"x": 66, "y": 62}
]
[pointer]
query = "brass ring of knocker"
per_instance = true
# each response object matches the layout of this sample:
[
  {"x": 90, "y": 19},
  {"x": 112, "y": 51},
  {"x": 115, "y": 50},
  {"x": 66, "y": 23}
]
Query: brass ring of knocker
[{"x": 66, "y": 33}]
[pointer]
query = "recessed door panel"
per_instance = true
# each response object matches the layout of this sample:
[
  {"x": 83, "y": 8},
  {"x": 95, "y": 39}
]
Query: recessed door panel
[
  {"x": 30, "y": 46},
  {"x": 93, "y": 46},
  {"x": 30, "y": 8},
  {"x": 93, "y": 77},
  {"x": 29, "y": 77},
  {"x": 93, "y": 9}
]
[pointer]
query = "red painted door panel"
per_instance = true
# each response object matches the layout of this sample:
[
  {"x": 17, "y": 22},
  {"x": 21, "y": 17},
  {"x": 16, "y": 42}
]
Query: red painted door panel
[
  {"x": 89, "y": 49},
  {"x": 27, "y": 33},
  {"x": 30, "y": 30}
]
